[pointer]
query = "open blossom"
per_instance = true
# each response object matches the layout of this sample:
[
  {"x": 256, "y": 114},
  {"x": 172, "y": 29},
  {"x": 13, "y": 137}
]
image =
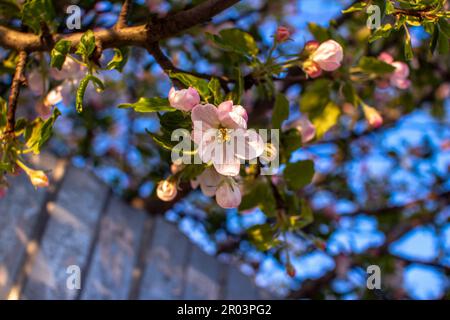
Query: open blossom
[
  {"x": 222, "y": 136},
  {"x": 282, "y": 34},
  {"x": 372, "y": 116},
  {"x": 227, "y": 192},
  {"x": 398, "y": 78},
  {"x": 166, "y": 190},
  {"x": 329, "y": 55},
  {"x": 184, "y": 99}
]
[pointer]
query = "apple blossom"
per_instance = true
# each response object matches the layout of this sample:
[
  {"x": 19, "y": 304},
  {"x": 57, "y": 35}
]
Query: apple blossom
[
  {"x": 270, "y": 153},
  {"x": 329, "y": 55},
  {"x": 399, "y": 77},
  {"x": 222, "y": 136},
  {"x": 184, "y": 99},
  {"x": 166, "y": 190},
  {"x": 227, "y": 191},
  {"x": 305, "y": 127}
]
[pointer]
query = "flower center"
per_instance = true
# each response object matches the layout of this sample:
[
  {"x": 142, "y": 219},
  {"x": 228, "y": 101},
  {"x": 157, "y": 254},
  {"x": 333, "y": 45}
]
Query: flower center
[{"x": 223, "y": 135}]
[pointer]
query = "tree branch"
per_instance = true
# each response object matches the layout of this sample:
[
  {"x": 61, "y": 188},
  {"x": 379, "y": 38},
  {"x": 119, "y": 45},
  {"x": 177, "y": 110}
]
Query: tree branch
[
  {"x": 15, "y": 90},
  {"x": 139, "y": 36}
]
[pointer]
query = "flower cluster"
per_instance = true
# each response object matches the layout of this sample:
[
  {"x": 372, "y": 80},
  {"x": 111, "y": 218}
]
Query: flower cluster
[
  {"x": 215, "y": 131},
  {"x": 398, "y": 78}
]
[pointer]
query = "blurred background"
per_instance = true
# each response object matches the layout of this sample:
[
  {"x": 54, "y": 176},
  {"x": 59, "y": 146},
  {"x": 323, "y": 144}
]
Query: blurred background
[{"x": 379, "y": 196}]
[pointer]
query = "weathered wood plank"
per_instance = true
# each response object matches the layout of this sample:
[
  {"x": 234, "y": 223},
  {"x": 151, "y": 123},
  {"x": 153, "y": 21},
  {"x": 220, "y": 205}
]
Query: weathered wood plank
[
  {"x": 68, "y": 236},
  {"x": 167, "y": 252},
  {"x": 202, "y": 276},
  {"x": 115, "y": 254},
  {"x": 239, "y": 286},
  {"x": 20, "y": 213}
]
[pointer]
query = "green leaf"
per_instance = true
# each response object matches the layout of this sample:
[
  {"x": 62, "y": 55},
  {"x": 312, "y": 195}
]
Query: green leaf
[
  {"x": 235, "y": 40},
  {"x": 87, "y": 45},
  {"x": 373, "y": 65},
  {"x": 192, "y": 81},
  {"x": 320, "y": 33},
  {"x": 238, "y": 89},
  {"x": 216, "y": 90},
  {"x": 299, "y": 174},
  {"x": 280, "y": 111},
  {"x": 9, "y": 9},
  {"x": 149, "y": 105},
  {"x": 326, "y": 119},
  {"x": 408, "y": 47},
  {"x": 259, "y": 194},
  {"x": 36, "y": 11},
  {"x": 390, "y": 8},
  {"x": 3, "y": 111},
  {"x": 59, "y": 53},
  {"x": 359, "y": 6},
  {"x": 316, "y": 96},
  {"x": 263, "y": 237},
  {"x": 82, "y": 89},
  {"x": 305, "y": 218},
  {"x": 382, "y": 32},
  {"x": 290, "y": 141},
  {"x": 119, "y": 59},
  {"x": 40, "y": 131},
  {"x": 443, "y": 37}
]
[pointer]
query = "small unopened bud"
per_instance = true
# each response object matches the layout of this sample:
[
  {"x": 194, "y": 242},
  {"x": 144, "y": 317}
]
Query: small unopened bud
[
  {"x": 311, "y": 46},
  {"x": 166, "y": 190},
  {"x": 283, "y": 34},
  {"x": 372, "y": 116},
  {"x": 290, "y": 270},
  {"x": 38, "y": 178}
]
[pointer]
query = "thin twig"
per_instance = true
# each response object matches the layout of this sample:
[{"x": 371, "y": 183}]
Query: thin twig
[{"x": 14, "y": 95}]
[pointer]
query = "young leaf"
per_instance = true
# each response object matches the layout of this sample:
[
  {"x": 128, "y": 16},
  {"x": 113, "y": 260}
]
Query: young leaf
[
  {"x": 119, "y": 59},
  {"x": 87, "y": 44},
  {"x": 237, "y": 41},
  {"x": 280, "y": 111},
  {"x": 36, "y": 11},
  {"x": 40, "y": 131},
  {"x": 382, "y": 32},
  {"x": 192, "y": 81},
  {"x": 59, "y": 53},
  {"x": 82, "y": 89},
  {"x": 408, "y": 47},
  {"x": 149, "y": 105},
  {"x": 359, "y": 6},
  {"x": 299, "y": 174},
  {"x": 215, "y": 89},
  {"x": 263, "y": 237}
]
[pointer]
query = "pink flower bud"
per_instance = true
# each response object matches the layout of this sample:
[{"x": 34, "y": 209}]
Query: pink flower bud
[
  {"x": 283, "y": 34},
  {"x": 228, "y": 195},
  {"x": 166, "y": 190},
  {"x": 386, "y": 57},
  {"x": 372, "y": 116},
  {"x": 312, "y": 69},
  {"x": 38, "y": 178},
  {"x": 184, "y": 99},
  {"x": 311, "y": 46},
  {"x": 329, "y": 55}
]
